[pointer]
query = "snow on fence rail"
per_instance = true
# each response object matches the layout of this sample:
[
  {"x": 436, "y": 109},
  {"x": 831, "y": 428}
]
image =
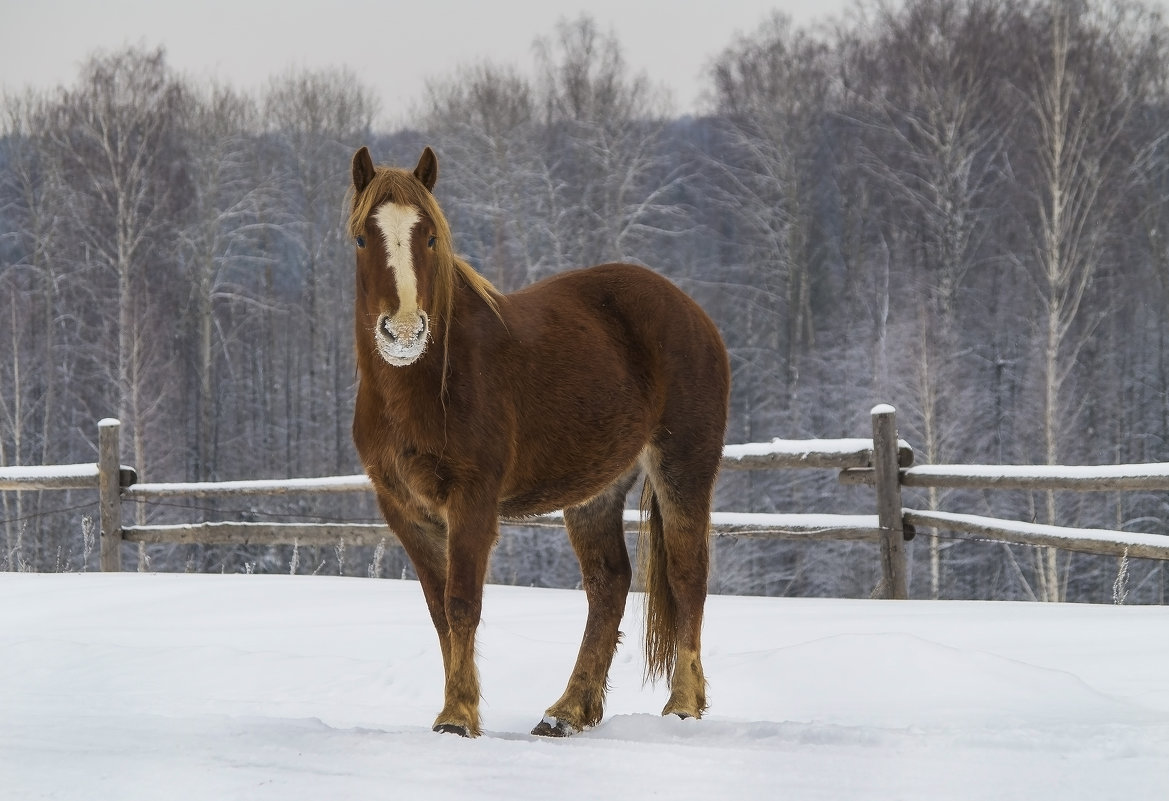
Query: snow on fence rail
[
  {"x": 1109, "y": 477},
  {"x": 884, "y": 462},
  {"x": 1104, "y": 542},
  {"x": 52, "y": 477}
]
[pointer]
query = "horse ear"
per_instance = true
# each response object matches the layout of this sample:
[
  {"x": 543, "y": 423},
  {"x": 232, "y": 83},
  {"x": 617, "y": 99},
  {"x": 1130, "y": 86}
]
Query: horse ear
[
  {"x": 362, "y": 169},
  {"x": 427, "y": 169}
]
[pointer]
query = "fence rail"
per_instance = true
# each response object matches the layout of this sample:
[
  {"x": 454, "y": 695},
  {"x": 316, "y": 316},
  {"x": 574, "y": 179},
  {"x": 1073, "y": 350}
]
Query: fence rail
[
  {"x": 56, "y": 477},
  {"x": 1031, "y": 478},
  {"x": 1099, "y": 541},
  {"x": 883, "y": 462}
]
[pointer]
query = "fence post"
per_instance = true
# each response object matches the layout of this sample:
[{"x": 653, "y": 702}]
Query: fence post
[
  {"x": 110, "y": 494},
  {"x": 888, "y": 475}
]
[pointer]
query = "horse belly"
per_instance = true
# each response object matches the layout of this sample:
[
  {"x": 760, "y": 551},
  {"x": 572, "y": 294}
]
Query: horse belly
[{"x": 585, "y": 445}]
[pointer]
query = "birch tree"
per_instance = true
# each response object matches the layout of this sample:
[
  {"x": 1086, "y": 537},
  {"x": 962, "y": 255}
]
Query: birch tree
[
  {"x": 931, "y": 113},
  {"x": 319, "y": 119},
  {"x": 1088, "y": 79},
  {"x": 29, "y": 392},
  {"x": 223, "y": 259},
  {"x": 775, "y": 94},
  {"x": 115, "y": 137},
  {"x": 609, "y": 188},
  {"x": 483, "y": 121}
]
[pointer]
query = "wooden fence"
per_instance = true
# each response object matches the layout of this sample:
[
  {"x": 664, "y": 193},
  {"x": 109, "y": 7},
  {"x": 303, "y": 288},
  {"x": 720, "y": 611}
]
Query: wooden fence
[{"x": 883, "y": 462}]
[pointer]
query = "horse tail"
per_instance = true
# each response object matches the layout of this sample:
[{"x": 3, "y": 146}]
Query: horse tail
[{"x": 661, "y": 610}]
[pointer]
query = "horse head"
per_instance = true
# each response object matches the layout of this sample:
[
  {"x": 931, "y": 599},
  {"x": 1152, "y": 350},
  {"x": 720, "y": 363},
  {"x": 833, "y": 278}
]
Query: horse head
[{"x": 398, "y": 247}]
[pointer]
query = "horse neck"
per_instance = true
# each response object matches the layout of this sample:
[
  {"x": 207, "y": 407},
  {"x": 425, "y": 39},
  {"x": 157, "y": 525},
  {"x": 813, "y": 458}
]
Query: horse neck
[{"x": 410, "y": 396}]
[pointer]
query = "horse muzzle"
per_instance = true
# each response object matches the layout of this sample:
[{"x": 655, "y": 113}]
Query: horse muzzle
[{"x": 401, "y": 339}]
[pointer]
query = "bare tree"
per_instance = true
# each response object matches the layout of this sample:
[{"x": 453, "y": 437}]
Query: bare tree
[
  {"x": 28, "y": 381},
  {"x": 483, "y": 119},
  {"x": 115, "y": 137},
  {"x": 609, "y": 189},
  {"x": 1087, "y": 81},
  {"x": 221, "y": 252},
  {"x": 775, "y": 92},
  {"x": 928, "y": 89},
  {"x": 319, "y": 119}
]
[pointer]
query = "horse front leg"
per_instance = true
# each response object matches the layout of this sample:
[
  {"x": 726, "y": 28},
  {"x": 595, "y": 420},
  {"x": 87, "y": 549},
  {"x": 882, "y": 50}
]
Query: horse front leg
[
  {"x": 424, "y": 540},
  {"x": 430, "y": 565},
  {"x": 472, "y": 533}
]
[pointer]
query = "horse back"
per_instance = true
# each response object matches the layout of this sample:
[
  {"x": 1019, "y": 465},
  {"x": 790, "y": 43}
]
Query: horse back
[
  {"x": 639, "y": 318},
  {"x": 596, "y": 365}
]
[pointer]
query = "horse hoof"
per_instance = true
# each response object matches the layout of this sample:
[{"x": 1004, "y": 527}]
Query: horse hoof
[
  {"x": 451, "y": 728},
  {"x": 683, "y": 714},
  {"x": 554, "y": 727}
]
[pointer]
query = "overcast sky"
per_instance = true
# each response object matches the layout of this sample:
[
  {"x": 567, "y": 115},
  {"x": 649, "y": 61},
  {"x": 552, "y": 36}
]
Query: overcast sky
[{"x": 392, "y": 45}]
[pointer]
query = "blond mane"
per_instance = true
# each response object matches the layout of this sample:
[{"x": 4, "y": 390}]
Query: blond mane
[{"x": 402, "y": 187}]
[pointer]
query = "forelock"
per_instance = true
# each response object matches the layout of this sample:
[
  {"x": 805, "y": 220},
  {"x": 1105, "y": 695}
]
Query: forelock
[{"x": 392, "y": 184}]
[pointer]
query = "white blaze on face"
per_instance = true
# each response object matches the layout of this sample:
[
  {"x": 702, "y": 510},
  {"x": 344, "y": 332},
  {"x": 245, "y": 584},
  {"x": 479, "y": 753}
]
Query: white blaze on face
[
  {"x": 397, "y": 225},
  {"x": 401, "y": 338}
]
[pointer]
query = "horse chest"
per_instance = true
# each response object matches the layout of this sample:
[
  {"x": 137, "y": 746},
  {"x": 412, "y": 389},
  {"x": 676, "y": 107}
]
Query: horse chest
[{"x": 415, "y": 477}]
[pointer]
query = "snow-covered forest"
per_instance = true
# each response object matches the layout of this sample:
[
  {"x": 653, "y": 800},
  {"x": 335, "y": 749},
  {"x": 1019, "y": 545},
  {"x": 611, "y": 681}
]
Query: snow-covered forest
[{"x": 960, "y": 207}]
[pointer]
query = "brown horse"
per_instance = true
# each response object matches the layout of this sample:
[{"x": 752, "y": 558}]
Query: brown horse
[{"x": 473, "y": 405}]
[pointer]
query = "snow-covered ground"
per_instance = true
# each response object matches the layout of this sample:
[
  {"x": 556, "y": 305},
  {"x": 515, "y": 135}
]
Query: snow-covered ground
[{"x": 126, "y": 686}]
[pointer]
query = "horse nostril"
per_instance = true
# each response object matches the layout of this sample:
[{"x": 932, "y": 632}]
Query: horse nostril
[{"x": 397, "y": 333}]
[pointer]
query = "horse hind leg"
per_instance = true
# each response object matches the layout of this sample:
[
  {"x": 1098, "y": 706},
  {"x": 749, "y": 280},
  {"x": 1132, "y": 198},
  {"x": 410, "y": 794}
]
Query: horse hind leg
[
  {"x": 596, "y": 531},
  {"x": 674, "y": 556}
]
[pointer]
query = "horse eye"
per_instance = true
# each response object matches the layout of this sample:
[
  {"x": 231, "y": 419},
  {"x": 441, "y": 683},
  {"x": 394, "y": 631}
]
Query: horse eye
[
  {"x": 430, "y": 242},
  {"x": 361, "y": 241}
]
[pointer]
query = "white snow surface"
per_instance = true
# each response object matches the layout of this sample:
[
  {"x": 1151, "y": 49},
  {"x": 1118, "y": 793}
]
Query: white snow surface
[{"x": 140, "y": 686}]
